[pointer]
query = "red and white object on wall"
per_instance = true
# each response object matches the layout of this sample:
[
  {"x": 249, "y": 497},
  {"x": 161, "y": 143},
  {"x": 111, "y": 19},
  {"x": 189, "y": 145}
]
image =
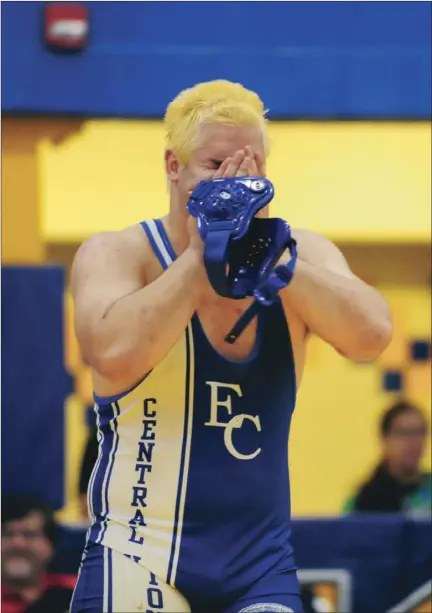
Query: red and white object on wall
[{"x": 66, "y": 26}]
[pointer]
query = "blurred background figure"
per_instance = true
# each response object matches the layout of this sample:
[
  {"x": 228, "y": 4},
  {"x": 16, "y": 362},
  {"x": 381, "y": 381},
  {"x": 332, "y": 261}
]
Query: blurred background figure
[
  {"x": 398, "y": 482},
  {"x": 29, "y": 534}
]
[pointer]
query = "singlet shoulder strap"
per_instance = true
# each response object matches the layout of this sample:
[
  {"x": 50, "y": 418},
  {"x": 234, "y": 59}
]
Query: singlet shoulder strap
[{"x": 159, "y": 241}]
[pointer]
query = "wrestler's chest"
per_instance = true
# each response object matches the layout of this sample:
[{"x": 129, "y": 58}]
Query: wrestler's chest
[{"x": 217, "y": 320}]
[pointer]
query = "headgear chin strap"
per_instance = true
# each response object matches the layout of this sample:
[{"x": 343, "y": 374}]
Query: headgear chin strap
[{"x": 241, "y": 250}]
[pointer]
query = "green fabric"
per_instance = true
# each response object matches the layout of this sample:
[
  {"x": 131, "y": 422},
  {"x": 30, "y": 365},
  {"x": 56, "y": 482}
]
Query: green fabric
[
  {"x": 349, "y": 505},
  {"x": 418, "y": 503}
]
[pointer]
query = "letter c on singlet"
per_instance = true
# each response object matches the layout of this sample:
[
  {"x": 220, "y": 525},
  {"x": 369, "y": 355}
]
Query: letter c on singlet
[{"x": 237, "y": 422}]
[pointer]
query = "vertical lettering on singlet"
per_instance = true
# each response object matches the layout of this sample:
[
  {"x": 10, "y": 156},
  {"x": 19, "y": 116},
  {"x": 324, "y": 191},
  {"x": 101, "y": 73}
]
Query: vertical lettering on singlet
[
  {"x": 154, "y": 595},
  {"x": 143, "y": 467}
]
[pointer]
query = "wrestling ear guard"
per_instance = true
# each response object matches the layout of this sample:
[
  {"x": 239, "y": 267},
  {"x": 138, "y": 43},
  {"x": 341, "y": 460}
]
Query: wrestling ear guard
[{"x": 241, "y": 250}]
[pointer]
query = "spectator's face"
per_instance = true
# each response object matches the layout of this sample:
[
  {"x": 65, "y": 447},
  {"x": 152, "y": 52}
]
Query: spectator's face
[
  {"x": 25, "y": 550},
  {"x": 404, "y": 444}
]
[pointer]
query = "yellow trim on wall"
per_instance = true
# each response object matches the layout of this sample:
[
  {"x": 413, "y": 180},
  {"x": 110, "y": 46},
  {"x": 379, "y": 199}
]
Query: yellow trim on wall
[{"x": 350, "y": 181}]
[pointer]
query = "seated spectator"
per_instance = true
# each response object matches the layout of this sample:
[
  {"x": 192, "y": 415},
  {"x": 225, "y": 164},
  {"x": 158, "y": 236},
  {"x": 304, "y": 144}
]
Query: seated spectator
[
  {"x": 28, "y": 538},
  {"x": 397, "y": 484}
]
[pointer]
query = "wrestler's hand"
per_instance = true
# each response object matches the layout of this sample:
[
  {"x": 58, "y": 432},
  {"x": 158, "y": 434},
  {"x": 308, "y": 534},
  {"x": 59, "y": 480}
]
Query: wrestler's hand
[
  {"x": 236, "y": 166},
  {"x": 244, "y": 163},
  {"x": 195, "y": 242},
  {"x": 259, "y": 166},
  {"x": 241, "y": 164}
]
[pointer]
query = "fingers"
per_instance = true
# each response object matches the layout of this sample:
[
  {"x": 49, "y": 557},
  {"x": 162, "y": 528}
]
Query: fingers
[
  {"x": 260, "y": 164},
  {"x": 244, "y": 163},
  {"x": 222, "y": 168},
  {"x": 252, "y": 168},
  {"x": 235, "y": 164},
  {"x": 246, "y": 167},
  {"x": 256, "y": 167},
  {"x": 240, "y": 165}
]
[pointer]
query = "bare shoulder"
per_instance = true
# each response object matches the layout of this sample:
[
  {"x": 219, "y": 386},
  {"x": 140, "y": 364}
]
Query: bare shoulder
[{"x": 109, "y": 253}]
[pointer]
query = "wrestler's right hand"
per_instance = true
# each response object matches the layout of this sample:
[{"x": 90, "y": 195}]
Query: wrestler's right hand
[
  {"x": 238, "y": 165},
  {"x": 241, "y": 164}
]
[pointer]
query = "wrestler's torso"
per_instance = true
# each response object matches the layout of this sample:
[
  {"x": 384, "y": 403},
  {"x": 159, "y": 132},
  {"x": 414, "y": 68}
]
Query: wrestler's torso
[{"x": 192, "y": 475}]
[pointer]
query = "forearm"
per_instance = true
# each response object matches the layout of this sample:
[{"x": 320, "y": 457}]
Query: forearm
[
  {"x": 350, "y": 315},
  {"x": 141, "y": 328}
]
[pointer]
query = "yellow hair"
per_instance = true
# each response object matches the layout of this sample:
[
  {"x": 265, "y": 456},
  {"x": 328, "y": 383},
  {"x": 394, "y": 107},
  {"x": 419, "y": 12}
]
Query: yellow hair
[{"x": 220, "y": 101}]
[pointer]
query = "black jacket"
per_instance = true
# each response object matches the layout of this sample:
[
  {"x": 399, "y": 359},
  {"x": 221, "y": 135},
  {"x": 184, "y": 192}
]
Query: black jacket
[{"x": 382, "y": 493}]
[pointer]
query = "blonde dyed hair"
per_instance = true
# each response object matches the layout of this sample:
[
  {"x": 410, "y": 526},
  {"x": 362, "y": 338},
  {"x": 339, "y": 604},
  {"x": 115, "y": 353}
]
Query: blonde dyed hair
[{"x": 215, "y": 101}]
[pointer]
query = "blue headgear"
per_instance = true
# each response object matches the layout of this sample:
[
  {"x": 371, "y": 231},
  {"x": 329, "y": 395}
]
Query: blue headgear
[{"x": 242, "y": 250}]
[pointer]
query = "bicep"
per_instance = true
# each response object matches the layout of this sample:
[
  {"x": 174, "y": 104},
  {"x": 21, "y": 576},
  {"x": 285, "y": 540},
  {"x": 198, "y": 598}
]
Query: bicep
[{"x": 102, "y": 275}]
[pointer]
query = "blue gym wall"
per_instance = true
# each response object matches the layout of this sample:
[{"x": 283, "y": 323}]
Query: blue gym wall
[{"x": 306, "y": 59}]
